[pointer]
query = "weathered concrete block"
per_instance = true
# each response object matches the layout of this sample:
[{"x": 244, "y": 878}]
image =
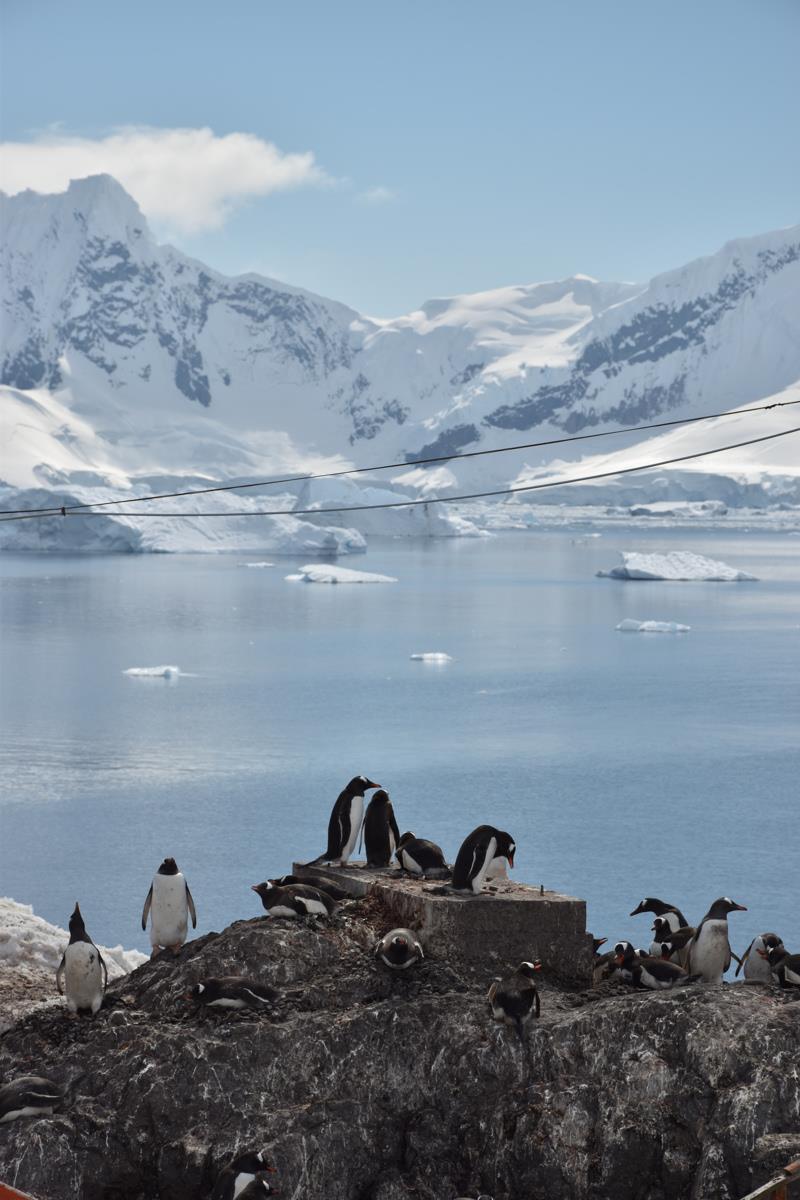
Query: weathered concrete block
[{"x": 485, "y": 934}]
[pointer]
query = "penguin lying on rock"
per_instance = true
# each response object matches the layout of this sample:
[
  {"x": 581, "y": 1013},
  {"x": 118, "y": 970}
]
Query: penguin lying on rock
[
  {"x": 710, "y": 951},
  {"x": 296, "y": 900},
  {"x": 330, "y": 889},
  {"x": 398, "y": 950},
  {"x": 169, "y": 904},
  {"x": 82, "y": 971},
  {"x": 29, "y": 1096},
  {"x": 233, "y": 992},
  {"x": 345, "y": 822},
  {"x": 754, "y": 961},
  {"x": 647, "y": 971},
  {"x": 515, "y": 999},
  {"x": 420, "y": 857},
  {"x": 477, "y": 854},
  {"x": 660, "y": 908},
  {"x": 785, "y": 967},
  {"x": 240, "y": 1172}
]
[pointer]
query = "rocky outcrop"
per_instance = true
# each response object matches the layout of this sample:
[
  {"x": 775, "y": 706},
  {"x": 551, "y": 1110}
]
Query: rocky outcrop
[{"x": 365, "y": 1086}]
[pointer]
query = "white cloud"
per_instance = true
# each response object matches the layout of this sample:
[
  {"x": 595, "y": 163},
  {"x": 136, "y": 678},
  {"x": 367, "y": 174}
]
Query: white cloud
[
  {"x": 377, "y": 195},
  {"x": 189, "y": 179}
]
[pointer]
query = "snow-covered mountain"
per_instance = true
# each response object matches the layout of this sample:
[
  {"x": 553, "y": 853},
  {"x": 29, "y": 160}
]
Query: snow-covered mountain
[{"x": 129, "y": 365}]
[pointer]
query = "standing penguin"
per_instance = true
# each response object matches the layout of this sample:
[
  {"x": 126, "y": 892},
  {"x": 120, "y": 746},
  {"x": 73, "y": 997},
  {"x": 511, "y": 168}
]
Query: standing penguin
[
  {"x": 418, "y": 856},
  {"x": 169, "y": 903},
  {"x": 478, "y": 851},
  {"x": 345, "y": 822},
  {"x": 515, "y": 999},
  {"x": 82, "y": 969},
  {"x": 240, "y": 1172},
  {"x": 754, "y": 960},
  {"x": 381, "y": 834},
  {"x": 398, "y": 950},
  {"x": 660, "y": 908},
  {"x": 710, "y": 951}
]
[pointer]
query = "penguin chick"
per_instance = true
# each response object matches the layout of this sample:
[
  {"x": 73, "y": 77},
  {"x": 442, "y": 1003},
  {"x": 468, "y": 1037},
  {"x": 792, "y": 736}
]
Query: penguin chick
[
  {"x": 169, "y": 903},
  {"x": 710, "y": 951},
  {"x": 296, "y": 900},
  {"x": 754, "y": 963},
  {"x": 82, "y": 971},
  {"x": 399, "y": 949},
  {"x": 345, "y": 822},
  {"x": 420, "y": 857},
  {"x": 240, "y": 1172},
  {"x": 515, "y": 999},
  {"x": 646, "y": 971},
  {"x": 477, "y": 853},
  {"x": 381, "y": 834},
  {"x": 785, "y": 967},
  {"x": 660, "y": 908},
  {"x": 678, "y": 940},
  {"x": 233, "y": 992},
  {"x": 29, "y": 1096},
  {"x": 258, "y": 1187}
]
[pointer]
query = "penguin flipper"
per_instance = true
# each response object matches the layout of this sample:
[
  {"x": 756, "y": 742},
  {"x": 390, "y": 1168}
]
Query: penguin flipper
[
  {"x": 192, "y": 910},
  {"x": 105, "y": 970},
  {"x": 393, "y": 825},
  {"x": 60, "y": 974},
  {"x": 146, "y": 909},
  {"x": 744, "y": 958}
]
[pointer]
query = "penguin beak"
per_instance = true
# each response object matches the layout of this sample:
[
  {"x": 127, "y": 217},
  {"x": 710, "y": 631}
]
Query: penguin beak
[
  {"x": 619, "y": 959},
  {"x": 254, "y": 887},
  {"x": 763, "y": 953},
  {"x": 740, "y": 908},
  {"x": 511, "y": 858}
]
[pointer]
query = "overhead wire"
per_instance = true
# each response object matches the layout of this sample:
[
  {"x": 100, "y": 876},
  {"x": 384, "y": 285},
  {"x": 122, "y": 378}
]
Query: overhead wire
[
  {"x": 405, "y": 464},
  {"x": 530, "y": 487}
]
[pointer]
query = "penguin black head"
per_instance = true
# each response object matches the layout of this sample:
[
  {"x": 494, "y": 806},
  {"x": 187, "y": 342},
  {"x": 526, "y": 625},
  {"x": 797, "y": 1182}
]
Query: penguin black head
[
  {"x": 775, "y": 955},
  {"x": 380, "y": 797},
  {"x": 662, "y": 929},
  {"x": 505, "y": 847},
  {"x": 361, "y": 784},
  {"x": 770, "y": 941},
  {"x": 624, "y": 952},
  {"x": 407, "y": 837},
  {"x": 261, "y": 888},
  {"x": 253, "y": 1162},
  {"x": 650, "y": 904},
  {"x": 260, "y": 1186},
  {"x": 168, "y": 867},
  {"x": 720, "y": 908},
  {"x": 530, "y": 969},
  {"x": 76, "y": 925}
]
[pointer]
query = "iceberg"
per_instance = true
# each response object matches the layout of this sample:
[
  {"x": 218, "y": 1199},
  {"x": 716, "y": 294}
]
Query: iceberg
[
  {"x": 257, "y": 564},
  {"x": 165, "y": 672},
  {"x": 432, "y": 656},
  {"x": 323, "y": 573},
  {"x": 678, "y": 565},
  {"x": 631, "y": 626}
]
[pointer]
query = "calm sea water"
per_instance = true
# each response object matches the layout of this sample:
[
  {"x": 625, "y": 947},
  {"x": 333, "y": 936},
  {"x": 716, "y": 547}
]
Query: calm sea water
[{"x": 623, "y": 764}]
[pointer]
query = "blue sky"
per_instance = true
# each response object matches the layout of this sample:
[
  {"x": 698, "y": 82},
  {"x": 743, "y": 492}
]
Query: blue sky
[{"x": 456, "y": 146}]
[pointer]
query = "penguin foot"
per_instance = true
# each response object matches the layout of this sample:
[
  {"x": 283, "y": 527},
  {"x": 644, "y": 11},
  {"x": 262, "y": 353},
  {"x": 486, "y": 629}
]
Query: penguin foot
[
  {"x": 175, "y": 949},
  {"x": 154, "y": 953}
]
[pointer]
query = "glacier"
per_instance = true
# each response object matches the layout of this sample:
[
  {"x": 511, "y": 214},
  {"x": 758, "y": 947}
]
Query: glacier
[{"x": 128, "y": 368}]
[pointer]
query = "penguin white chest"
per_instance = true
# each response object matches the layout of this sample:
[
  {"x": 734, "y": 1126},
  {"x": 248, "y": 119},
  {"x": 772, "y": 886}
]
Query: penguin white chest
[
  {"x": 240, "y": 1182},
  {"x": 710, "y": 954},
  {"x": 756, "y": 968},
  {"x": 356, "y": 815},
  {"x": 169, "y": 911},
  {"x": 83, "y": 976}
]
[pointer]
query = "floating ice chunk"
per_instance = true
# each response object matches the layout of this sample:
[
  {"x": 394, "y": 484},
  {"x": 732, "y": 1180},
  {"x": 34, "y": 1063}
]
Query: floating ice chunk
[
  {"x": 432, "y": 656},
  {"x": 631, "y": 626},
  {"x": 676, "y": 565},
  {"x": 324, "y": 573},
  {"x": 257, "y": 564},
  {"x": 154, "y": 672}
]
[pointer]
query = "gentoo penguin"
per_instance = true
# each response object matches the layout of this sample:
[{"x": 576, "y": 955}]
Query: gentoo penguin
[
  {"x": 477, "y": 852},
  {"x": 601, "y": 963},
  {"x": 660, "y": 908},
  {"x": 330, "y": 889},
  {"x": 258, "y": 1187},
  {"x": 755, "y": 964},
  {"x": 647, "y": 971},
  {"x": 233, "y": 991},
  {"x": 296, "y": 900},
  {"x": 381, "y": 834},
  {"x": 241, "y": 1171},
  {"x": 421, "y": 857},
  {"x": 785, "y": 967},
  {"x": 169, "y": 903},
  {"x": 29, "y": 1096},
  {"x": 710, "y": 951},
  {"x": 678, "y": 940},
  {"x": 515, "y": 999},
  {"x": 399, "y": 949},
  {"x": 345, "y": 822},
  {"x": 82, "y": 971}
]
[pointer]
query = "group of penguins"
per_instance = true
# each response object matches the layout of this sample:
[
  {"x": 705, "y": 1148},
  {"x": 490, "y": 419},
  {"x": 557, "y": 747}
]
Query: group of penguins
[{"x": 679, "y": 953}]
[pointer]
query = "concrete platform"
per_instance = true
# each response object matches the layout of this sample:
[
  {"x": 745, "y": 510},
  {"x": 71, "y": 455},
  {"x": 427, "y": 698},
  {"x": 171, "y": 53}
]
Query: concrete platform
[{"x": 490, "y": 933}]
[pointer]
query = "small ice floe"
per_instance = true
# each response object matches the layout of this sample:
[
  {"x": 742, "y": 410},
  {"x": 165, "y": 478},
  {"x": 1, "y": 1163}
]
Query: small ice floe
[
  {"x": 323, "y": 573},
  {"x": 432, "y": 656},
  {"x": 631, "y": 626},
  {"x": 257, "y": 565},
  {"x": 678, "y": 565},
  {"x": 166, "y": 672}
]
